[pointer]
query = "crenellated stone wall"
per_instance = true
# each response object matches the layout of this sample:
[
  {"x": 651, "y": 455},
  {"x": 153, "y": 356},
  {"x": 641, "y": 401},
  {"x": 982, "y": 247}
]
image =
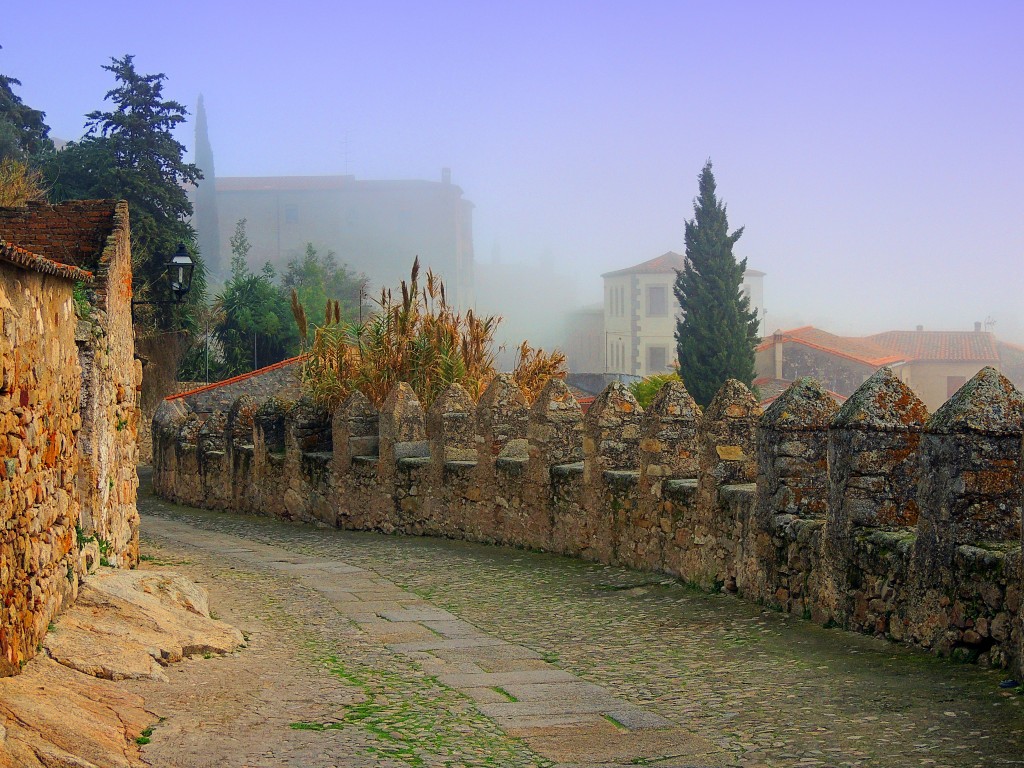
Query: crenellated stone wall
[{"x": 878, "y": 518}]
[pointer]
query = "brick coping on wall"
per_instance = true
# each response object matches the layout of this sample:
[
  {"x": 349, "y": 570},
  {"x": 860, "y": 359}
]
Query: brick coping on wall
[{"x": 236, "y": 379}]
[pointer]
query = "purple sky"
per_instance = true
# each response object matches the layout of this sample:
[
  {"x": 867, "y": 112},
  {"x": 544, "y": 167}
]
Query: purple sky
[{"x": 873, "y": 151}]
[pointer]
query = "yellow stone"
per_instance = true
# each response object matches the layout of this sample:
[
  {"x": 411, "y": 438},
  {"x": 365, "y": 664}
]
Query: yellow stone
[{"x": 730, "y": 452}]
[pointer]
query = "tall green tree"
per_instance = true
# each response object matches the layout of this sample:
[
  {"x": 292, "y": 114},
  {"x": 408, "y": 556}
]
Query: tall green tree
[
  {"x": 254, "y": 325},
  {"x": 129, "y": 152},
  {"x": 716, "y": 337}
]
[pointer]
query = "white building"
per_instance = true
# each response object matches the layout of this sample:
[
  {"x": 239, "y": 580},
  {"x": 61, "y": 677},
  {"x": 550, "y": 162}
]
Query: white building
[{"x": 640, "y": 313}]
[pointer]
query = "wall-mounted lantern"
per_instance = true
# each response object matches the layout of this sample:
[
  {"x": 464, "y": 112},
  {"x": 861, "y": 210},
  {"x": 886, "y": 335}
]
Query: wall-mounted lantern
[{"x": 179, "y": 269}]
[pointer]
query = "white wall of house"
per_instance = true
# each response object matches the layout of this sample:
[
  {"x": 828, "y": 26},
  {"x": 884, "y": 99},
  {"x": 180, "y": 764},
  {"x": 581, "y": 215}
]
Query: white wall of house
[{"x": 640, "y": 314}]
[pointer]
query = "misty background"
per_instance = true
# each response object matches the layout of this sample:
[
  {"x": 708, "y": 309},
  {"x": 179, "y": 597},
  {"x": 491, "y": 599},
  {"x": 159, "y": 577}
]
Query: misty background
[{"x": 871, "y": 151}]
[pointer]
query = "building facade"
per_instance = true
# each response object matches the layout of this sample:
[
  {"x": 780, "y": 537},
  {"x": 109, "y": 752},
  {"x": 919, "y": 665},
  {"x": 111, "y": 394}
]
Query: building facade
[
  {"x": 640, "y": 314},
  {"x": 376, "y": 227}
]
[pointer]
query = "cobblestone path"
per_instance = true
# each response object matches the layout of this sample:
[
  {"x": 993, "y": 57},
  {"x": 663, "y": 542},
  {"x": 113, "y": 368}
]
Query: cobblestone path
[{"x": 372, "y": 650}]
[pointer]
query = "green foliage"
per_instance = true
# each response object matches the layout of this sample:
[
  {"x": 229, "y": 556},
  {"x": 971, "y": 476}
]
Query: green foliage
[
  {"x": 645, "y": 389},
  {"x": 23, "y": 131},
  {"x": 317, "y": 279},
  {"x": 716, "y": 337},
  {"x": 130, "y": 153},
  {"x": 253, "y": 325}
]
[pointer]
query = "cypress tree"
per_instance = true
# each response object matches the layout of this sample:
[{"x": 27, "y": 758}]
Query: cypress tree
[
  {"x": 207, "y": 221},
  {"x": 716, "y": 336}
]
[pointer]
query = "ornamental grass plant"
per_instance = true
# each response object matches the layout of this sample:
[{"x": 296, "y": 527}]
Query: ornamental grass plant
[{"x": 415, "y": 336}]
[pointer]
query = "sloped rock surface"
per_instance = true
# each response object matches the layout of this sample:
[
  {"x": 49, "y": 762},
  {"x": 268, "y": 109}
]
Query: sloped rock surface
[
  {"x": 128, "y": 624},
  {"x": 54, "y": 717}
]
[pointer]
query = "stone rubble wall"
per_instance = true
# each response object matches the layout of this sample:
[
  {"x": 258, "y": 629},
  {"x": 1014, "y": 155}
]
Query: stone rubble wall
[
  {"x": 39, "y": 424},
  {"x": 69, "y": 408},
  {"x": 876, "y": 517},
  {"x": 111, "y": 387}
]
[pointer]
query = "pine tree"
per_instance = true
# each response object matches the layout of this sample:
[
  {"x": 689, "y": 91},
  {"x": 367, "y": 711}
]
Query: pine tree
[
  {"x": 130, "y": 153},
  {"x": 716, "y": 336},
  {"x": 207, "y": 220}
]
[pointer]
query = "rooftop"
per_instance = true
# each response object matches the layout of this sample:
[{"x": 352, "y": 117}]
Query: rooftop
[
  {"x": 968, "y": 346},
  {"x": 859, "y": 350},
  {"x": 668, "y": 262}
]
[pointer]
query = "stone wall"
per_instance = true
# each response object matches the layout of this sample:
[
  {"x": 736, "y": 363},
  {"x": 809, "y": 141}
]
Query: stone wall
[
  {"x": 877, "y": 517},
  {"x": 68, "y": 402},
  {"x": 39, "y": 423},
  {"x": 94, "y": 235}
]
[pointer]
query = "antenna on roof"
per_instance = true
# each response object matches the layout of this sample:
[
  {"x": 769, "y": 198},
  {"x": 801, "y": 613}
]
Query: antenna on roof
[{"x": 990, "y": 323}]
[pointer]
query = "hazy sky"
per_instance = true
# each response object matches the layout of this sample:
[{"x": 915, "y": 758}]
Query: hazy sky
[{"x": 873, "y": 151}]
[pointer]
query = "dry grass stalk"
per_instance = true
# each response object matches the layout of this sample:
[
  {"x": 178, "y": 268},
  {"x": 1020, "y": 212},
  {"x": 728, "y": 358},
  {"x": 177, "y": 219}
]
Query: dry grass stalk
[
  {"x": 19, "y": 184},
  {"x": 421, "y": 340}
]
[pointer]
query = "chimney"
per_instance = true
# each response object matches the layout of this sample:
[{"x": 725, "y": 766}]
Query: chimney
[
  {"x": 446, "y": 175},
  {"x": 977, "y": 327},
  {"x": 920, "y": 327},
  {"x": 777, "y": 337}
]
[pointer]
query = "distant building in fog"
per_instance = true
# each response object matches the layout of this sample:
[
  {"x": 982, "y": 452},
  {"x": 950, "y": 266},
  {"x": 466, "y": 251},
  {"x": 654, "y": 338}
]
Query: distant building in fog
[
  {"x": 640, "y": 313},
  {"x": 376, "y": 227},
  {"x": 584, "y": 340}
]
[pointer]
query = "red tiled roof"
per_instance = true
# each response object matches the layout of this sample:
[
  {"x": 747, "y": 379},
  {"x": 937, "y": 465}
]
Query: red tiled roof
[
  {"x": 667, "y": 262},
  {"x": 969, "y": 346},
  {"x": 17, "y": 255},
  {"x": 856, "y": 349},
  {"x": 240, "y": 377}
]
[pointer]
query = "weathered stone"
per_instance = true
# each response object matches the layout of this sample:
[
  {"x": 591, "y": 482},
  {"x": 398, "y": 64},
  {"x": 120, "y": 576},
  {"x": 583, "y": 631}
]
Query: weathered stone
[
  {"x": 611, "y": 433},
  {"x": 450, "y": 426},
  {"x": 401, "y": 426},
  {"x": 501, "y": 416},
  {"x": 555, "y": 426},
  {"x": 729, "y": 424},
  {"x": 669, "y": 446},
  {"x": 971, "y": 484}
]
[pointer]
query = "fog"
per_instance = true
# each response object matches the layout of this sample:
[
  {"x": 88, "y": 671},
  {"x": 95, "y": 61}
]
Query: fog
[{"x": 872, "y": 151}]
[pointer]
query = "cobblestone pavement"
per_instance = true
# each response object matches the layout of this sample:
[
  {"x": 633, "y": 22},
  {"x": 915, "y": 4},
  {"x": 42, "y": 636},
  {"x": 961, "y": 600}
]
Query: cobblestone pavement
[{"x": 366, "y": 649}]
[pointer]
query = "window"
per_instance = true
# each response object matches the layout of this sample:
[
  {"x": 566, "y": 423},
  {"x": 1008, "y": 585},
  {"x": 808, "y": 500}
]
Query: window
[
  {"x": 657, "y": 301},
  {"x": 953, "y": 383},
  {"x": 657, "y": 359},
  {"x": 291, "y": 214}
]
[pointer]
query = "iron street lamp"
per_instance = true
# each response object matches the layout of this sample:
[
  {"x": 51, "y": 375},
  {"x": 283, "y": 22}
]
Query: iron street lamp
[{"x": 179, "y": 269}]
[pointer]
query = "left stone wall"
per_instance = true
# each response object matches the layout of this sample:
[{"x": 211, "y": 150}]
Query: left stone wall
[
  {"x": 39, "y": 415},
  {"x": 68, "y": 410}
]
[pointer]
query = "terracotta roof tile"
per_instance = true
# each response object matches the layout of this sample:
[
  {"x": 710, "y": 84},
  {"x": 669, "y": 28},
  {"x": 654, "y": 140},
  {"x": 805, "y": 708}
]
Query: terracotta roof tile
[
  {"x": 16, "y": 255},
  {"x": 970, "y": 346},
  {"x": 859, "y": 350},
  {"x": 667, "y": 262}
]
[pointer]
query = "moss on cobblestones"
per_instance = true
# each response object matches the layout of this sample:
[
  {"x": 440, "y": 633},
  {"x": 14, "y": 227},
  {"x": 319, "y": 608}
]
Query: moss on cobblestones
[{"x": 413, "y": 717}]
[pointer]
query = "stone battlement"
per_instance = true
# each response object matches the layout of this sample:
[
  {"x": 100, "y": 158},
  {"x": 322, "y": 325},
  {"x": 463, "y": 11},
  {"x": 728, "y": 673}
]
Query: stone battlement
[{"x": 876, "y": 517}]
